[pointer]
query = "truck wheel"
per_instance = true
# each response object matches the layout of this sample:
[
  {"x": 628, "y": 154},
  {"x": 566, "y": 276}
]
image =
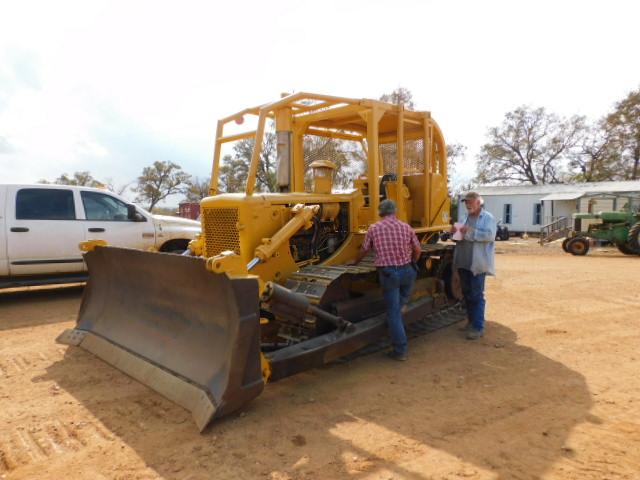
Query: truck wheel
[
  {"x": 578, "y": 246},
  {"x": 564, "y": 244},
  {"x": 633, "y": 238},
  {"x": 177, "y": 246},
  {"x": 626, "y": 249}
]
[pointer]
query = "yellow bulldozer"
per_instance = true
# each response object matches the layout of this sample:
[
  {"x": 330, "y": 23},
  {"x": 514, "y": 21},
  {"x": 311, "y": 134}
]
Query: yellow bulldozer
[{"x": 269, "y": 288}]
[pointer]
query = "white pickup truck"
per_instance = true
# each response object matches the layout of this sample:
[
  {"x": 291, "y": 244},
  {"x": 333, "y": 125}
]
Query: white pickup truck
[{"x": 42, "y": 225}]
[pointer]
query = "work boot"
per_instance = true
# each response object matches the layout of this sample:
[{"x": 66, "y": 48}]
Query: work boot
[
  {"x": 474, "y": 334},
  {"x": 466, "y": 327},
  {"x": 400, "y": 357}
]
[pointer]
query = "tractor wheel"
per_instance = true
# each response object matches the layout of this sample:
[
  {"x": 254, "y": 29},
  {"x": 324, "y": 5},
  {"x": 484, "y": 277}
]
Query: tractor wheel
[
  {"x": 633, "y": 238},
  {"x": 626, "y": 249},
  {"x": 578, "y": 246},
  {"x": 564, "y": 244}
]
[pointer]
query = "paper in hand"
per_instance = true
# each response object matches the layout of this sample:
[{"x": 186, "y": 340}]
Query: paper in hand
[{"x": 457, "y": 235}]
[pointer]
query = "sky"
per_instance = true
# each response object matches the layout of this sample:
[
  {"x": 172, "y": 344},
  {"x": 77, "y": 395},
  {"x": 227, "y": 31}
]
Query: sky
[{"x": 112, "y": 86}]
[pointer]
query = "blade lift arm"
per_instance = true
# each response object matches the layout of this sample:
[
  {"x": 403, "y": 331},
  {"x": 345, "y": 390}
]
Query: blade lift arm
[
  {"x": 295, "y": 306},
  {"x": 302, "y": 219}
]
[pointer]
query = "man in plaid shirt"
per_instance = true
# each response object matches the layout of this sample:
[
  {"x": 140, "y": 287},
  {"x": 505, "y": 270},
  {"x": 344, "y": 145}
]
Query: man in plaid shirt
[{"x": 397, "y": 249}]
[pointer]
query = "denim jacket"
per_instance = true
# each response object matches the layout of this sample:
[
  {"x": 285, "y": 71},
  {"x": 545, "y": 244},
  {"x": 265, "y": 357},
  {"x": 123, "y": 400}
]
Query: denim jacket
[{"x": 483, "y": 237}]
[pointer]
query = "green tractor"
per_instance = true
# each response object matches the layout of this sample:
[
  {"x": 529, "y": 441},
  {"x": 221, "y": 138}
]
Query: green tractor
[{"x": 620, "y": 228}]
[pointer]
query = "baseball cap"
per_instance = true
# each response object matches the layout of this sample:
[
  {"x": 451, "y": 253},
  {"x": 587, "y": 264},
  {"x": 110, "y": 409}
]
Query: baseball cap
[{"x": 471, "y": 196}]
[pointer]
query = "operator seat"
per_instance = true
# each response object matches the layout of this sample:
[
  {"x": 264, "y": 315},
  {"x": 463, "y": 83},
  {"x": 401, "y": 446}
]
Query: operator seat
[{"x": 387, "y": 177}]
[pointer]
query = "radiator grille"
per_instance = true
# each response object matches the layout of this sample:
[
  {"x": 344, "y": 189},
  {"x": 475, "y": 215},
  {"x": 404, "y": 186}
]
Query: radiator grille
[{"x": 221, "y": 230}]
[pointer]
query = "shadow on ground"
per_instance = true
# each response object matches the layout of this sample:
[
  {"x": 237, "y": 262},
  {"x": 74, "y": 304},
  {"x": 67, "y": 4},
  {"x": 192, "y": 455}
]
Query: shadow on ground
[
  {"x": 493, "y": 406},
  {"x": 38, "y": 306}
]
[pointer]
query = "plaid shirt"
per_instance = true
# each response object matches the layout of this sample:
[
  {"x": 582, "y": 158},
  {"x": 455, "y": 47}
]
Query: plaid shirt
[{"x": 392, "y": 241}]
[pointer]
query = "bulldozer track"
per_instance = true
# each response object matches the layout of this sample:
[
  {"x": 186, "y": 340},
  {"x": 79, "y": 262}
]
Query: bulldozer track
[
  {"x": 314, "y": 281},
  {"x": 430, "y": 323}
]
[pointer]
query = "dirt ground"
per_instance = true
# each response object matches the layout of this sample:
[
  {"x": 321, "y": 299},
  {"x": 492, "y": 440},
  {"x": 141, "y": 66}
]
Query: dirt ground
[{"x": 551, "y": 391}]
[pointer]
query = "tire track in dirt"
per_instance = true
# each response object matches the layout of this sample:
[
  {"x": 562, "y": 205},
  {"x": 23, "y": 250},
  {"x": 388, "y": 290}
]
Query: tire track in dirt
[
  {"x": 23, "y": 362},
  {"x": 28, "y": 444}
]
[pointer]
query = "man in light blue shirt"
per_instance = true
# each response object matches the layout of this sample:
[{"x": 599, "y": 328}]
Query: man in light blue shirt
[{"x": 474, "y": 260}]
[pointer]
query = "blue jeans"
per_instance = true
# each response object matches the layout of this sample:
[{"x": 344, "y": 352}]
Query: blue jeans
[
  {"x": 397, "y": 285},
  {"x": 473, "y": 291}
]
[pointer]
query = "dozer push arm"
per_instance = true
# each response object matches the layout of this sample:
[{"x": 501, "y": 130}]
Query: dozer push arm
[
  {"x": 288, "y": 304},
  {"x": 301, "y": 219}
]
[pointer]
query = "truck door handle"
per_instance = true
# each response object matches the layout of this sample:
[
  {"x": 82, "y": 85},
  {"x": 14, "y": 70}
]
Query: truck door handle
[
  {"x": 19, "y": 229},
  {"x": 96, "y": 229}
]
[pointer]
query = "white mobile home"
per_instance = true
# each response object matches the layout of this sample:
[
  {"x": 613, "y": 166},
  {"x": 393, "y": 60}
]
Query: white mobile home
[{"x": 526, "y": 208}]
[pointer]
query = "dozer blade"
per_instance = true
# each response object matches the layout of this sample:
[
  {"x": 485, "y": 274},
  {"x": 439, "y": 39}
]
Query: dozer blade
[{"x": 189, "y": 334}]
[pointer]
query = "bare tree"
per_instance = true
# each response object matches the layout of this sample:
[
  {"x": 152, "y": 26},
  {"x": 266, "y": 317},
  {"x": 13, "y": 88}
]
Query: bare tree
[
  {"x": 530, "y": 146},
  {"x": 159, "y": 181},
  {"x": 593, "y": 160},
  {"x": 117, "y": 189},
  {"x": 400, "y": 96}
]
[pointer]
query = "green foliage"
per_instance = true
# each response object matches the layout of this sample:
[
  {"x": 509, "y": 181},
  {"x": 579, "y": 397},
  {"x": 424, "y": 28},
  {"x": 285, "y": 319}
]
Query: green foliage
[
  {"x": 233, "y": 174},
  {"x": 234, "y": 168},
  {"x": 623, "y": 126},
  {"x": 159, "y": 181},
  {"x": 81, "y": 179},
  {"x": 455, "y": 153},
  {"x": 197, "y": 189}
]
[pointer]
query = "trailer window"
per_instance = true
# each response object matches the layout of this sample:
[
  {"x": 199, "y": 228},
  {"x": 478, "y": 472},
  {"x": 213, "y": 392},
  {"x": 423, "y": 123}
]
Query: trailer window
[
  {"x": 45, "y": 204},
  {"x": 537, "y": 213},
  {"x": 506, "y": 217}
]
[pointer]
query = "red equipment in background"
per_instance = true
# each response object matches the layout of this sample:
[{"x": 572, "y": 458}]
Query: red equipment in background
[{"x": 189, "y": 210}]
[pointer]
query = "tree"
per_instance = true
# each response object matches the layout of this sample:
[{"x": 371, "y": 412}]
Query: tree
[
  {"x": 400, "y": 96},
  {"x": 237, "y": 165},
  {"x": 159, "y": 181},
  {"x": 455, "y": 152},
  {"x": 233, "y": 174},
  {"x": 197, "y": 189},
  {"x": 594, "y": 159},
  {"x": 348, "y": 161},
  {"x": 266, "y": 180},
  {"x": 81, "y": 179},
  {"x": 117, "y": 189},
  {"x": 530, "y": 146},
  {"x": 624, "y": 125}
]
